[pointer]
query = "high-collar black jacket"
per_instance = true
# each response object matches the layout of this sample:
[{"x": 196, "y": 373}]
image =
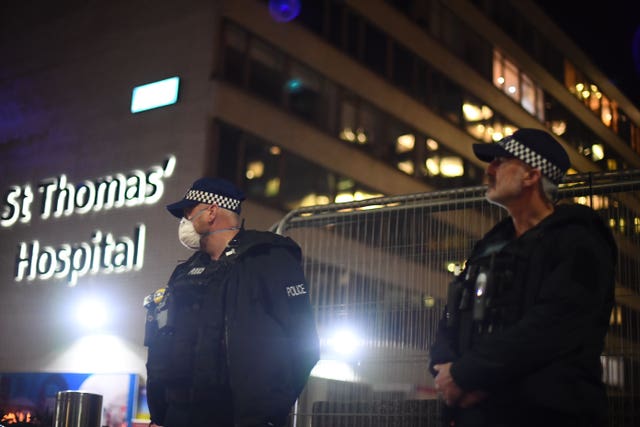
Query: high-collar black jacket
[
  {"x": 553, "y": 308},
  {"x": 270, "y": 337}
]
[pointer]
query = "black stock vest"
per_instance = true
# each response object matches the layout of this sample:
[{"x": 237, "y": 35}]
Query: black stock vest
[
  {"x": 489, "y": 295},
  {"x": 185, "y": 326}
]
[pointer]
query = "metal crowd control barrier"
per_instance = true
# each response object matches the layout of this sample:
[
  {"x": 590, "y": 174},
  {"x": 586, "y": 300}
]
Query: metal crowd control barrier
[{"x": 77, "y": 409}]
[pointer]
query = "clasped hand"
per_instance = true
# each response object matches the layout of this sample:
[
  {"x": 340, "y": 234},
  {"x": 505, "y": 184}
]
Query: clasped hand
[{"x": 451, "y": 393}]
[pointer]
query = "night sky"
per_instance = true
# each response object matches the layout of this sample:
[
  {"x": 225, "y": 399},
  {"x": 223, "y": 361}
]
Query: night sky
[{"x": 610, "y": 36}]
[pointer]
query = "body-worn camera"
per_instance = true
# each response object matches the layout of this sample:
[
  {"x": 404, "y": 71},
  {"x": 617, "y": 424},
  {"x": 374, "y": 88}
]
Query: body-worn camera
[
  {"x": 157, "y": 305},
  {"x": 472, "y": 290}
]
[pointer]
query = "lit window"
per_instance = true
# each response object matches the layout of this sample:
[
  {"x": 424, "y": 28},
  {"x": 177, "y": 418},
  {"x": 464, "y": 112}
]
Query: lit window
[
  {"x": 498, "y": 76},
  {"x": 313, "y": 199},
  {"x": 272, "y": 188},
  {"x": 487, "y": 112},
  {"x": 479, "y": 131},
  {"x": 433, "y": 166},
  {"x": 405, "y": 143},
  {"x": 347, "y": 121},
  {"x": 528, "y": 101},
  {"x": 471, "y": 112},
  {"x": 361, "y": 136},
  {"x": 606, "y": 114},
  {"x": 558, "y": 127},
  {"x": 363, "y": 195},
  {"x": 406, "y": 167},
  {"x": 613, "y": 369},
  {"x": 511, "y": 80},
  {"x": 474, "y": 113},
  {"x": 275, "y": 150},
  {"x": 255, "y": 169},
  {"x": 344, "y": 198},
  {"x": 540, "y": 104},
  {"x": 594, "y": 101},
  {"x": 347, "y": 134},
  {"x": 597, "y": 152},
  {"x": 595, "y": 201},
  {"x": 451, "y": 167},
  {"x": 345, "y": 184}
]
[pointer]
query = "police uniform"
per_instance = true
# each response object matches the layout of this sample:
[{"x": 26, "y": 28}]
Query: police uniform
[
  {"x": 231, "y": 342},
  {"x": 526, "y": 322}
]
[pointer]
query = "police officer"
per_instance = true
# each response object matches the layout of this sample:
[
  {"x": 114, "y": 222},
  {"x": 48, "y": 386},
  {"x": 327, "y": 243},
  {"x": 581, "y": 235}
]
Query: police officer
[
  {"x": 521, "y": 337},
  {"x": 231, "y": 339}
]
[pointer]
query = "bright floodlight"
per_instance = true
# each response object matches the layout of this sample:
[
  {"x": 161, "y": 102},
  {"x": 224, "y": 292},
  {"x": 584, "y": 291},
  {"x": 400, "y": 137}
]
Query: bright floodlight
[
  {"x": 344, "y": 342},
  {"x": 154, "y": 95},
  {"x": 91, "y": 314}
]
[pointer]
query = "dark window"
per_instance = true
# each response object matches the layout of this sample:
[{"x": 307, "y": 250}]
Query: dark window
[
  {"x": 234, "y": 54},
  {"x": 229, "y": 153},
  {"x": 375, "y": 50},
  {"x": 266, "y": 76},
  {"x": 421, "y": 91},
  {"x": 337, "y": 25},
  {"x": 354, "y": 37},
  {"x": 451, "y": 105},
  {"x": 312, "y": 15},
  {"x": 403, "y": 68}
]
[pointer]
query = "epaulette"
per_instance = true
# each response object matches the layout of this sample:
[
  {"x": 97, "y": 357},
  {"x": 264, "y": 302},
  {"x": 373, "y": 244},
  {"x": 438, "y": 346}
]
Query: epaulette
[{"x": 248, "y": 240}]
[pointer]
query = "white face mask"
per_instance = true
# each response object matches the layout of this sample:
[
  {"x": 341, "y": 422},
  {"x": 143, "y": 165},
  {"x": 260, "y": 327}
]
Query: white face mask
[{"x": 187, "y": 233}]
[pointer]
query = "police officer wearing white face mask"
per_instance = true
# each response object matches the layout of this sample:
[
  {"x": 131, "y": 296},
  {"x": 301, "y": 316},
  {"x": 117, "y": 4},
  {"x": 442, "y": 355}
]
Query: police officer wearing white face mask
[{"x": 228, "y": 323}]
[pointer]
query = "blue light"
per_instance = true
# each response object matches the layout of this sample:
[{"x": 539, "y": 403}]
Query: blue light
[
  {"x": 635, "y": 49},
  {"x": 294, "y": 85},
  {"x": 154, "y": 95},
  {"x": 284, "y": 10}
]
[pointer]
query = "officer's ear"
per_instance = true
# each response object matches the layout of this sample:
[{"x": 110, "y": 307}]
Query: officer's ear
[
  {"x": 212, "y": 212},
  {"x": 532, "y": 177}
]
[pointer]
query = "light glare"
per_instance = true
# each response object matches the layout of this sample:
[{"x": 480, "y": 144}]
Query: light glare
[
  {"x": 91, "y": 314},
  {"x": 344, "y": 342}
]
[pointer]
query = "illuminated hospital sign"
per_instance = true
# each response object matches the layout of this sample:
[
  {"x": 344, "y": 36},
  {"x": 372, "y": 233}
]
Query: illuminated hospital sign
[{"x": 103, "y": 252}]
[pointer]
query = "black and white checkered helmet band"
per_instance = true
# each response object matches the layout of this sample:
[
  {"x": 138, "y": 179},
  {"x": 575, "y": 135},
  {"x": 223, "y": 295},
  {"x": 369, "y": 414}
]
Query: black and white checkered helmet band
[
  {"x": 533, "y": 159},
  {"x": 213, "y": 199}
]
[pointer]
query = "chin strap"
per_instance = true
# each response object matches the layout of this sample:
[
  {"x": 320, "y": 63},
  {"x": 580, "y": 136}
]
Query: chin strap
[{"x": 237, "y": 227}]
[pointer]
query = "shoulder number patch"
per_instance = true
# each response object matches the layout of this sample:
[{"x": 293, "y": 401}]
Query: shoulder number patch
[{"x": 195, "y": 271}]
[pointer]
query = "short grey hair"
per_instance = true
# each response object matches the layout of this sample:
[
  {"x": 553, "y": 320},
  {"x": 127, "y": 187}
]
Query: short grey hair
[{"x": 549, "y": 189}]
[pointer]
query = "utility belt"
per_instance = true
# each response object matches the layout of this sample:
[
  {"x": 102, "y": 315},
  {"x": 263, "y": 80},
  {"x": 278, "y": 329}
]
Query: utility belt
[{"x": 195, "y": 394}]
